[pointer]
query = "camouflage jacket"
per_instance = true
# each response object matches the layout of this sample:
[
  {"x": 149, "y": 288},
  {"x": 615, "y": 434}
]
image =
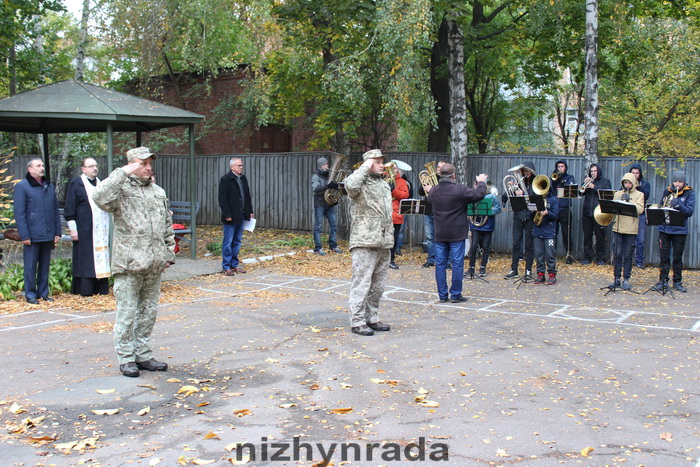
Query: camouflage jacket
[
  {"x": 143, "y": 226},
  {"x": 370, "y": 210}
]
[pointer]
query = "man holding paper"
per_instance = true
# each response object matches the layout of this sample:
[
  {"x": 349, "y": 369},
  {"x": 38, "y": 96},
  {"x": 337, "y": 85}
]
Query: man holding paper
[{"x": 236, "y": 214}]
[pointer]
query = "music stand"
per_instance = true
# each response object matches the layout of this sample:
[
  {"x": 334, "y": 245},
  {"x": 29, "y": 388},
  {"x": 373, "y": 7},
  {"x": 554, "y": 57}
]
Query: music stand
[
  {"x": 409, "y": 207},
  {"x": 568, "y": 191},
  {"x": 606, "y": 194},
  {"x": 536, "y": 203},
  {"x": 664, "y": 216},
  {"x": 617, "y": 207},
  {"x": 518, "y": 203}
]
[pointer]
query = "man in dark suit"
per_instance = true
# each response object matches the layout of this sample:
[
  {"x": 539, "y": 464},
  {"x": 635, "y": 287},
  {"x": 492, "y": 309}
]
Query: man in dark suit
[
  {"x": 236, "y": 207},
  {"x": 39, "y": 227}
]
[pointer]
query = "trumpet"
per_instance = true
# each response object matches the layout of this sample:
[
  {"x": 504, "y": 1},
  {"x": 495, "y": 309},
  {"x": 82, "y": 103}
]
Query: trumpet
[
  {"x": 555, "y": 176},
  {"x": 428, "y": 177},
  {"x": 667, "y": 199},
  {"x": 582, "y": 189},
  {"x": 541, "y": 186}
]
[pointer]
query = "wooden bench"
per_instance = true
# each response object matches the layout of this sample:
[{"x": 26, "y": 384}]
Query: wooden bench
[{"x": 182, "y": 215}]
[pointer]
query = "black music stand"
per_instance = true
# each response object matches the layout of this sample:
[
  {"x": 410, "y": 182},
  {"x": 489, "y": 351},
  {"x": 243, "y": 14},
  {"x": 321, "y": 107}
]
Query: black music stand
[
  {"x": 518, "y": 203},
  {"x": 664, "y": 216},
  {"x": 415, "y": 206},
  {"x": 617, "y": 207}
]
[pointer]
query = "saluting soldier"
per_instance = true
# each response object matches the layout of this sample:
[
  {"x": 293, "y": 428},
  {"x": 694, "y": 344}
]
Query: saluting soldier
[{"x": 144, "y": 246}]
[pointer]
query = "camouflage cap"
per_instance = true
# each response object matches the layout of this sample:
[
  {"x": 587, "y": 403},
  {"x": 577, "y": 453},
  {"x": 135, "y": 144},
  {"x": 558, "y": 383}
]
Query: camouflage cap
[
  {"x": 139, "y": 153},
  {"x": 372, "y": 154}
]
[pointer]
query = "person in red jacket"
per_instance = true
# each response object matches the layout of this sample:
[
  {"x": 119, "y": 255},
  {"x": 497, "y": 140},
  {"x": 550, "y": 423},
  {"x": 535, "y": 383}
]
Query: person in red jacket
[{"x": 399, "y": 192}]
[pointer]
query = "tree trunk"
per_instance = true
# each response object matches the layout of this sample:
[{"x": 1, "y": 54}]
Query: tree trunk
[
  {"x": 591, "y": 116},
  {"x": 439, "y": 137},
  {"x": 80, "y": 59},
  {"x": 458, "y": 108}
]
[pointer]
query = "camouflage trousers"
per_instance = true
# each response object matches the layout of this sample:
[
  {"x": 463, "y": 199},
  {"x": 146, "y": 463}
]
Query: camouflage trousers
[
  {"x": 137, "y": 308},
  {"x": 369, "y": 271}
]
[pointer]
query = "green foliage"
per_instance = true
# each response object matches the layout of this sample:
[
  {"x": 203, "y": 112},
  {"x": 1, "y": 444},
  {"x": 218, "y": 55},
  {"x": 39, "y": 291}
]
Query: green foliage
[
  {"x": 295, "y": 242},
  {"x": 651, "y": 90},
  {"x": 214, "y": 248},
  {"x": 60, "y": 279}
]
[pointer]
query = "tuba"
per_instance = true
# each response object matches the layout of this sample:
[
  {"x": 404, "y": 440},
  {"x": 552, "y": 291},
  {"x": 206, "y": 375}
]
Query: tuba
[
  {"x": 336, "y": 175},
  {"x": 428, "y": 177},
  {"x": 601, "y": 217},
  {"x": 541, "y": 186},
  {"x": 479, "y": 221},
  {"x": 514, "y": 181}
]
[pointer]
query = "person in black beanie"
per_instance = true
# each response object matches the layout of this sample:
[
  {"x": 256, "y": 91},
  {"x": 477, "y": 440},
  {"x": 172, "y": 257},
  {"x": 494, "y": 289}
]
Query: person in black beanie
[
  {"x": 522, "y": 226},
  {"x": 563, "y": 223},
  {"x": 590, "y": 226},
  {"x": 680, "y": 197}
]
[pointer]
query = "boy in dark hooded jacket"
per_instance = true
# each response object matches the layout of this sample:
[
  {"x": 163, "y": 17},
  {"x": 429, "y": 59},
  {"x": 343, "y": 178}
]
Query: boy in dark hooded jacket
[
  {"x": 590, "y": 226},
  {"x": 544, "y": 236},
  {"x": 522, "y": 226},
  {"x": 681, "y": 197},
  {"x": 563, "y": 223}
]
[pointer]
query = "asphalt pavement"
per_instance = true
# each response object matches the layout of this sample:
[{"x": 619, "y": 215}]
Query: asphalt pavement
[{"x": 534, "y": 376}]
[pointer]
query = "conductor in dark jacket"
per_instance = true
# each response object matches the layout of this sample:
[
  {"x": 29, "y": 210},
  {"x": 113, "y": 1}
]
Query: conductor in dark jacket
[
  {"x": 39, "y": 227},
  {"x": 236, "y": 207},
  {"x": 449, "y": 200}
]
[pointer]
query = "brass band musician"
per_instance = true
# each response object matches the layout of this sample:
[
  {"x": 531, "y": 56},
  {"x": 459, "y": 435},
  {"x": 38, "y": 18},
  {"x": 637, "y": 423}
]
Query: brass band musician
[
  {"x": 681, "y": 197},
  {"x": 594, "y": 182},
  {"x": 522, "y": 225},
  {"x": 625, "y": 232},
  {"x": 562, "y": 178}
]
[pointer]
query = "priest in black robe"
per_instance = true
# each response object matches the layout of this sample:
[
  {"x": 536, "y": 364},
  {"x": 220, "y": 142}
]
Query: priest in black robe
[{"x": 89, "y": 229}]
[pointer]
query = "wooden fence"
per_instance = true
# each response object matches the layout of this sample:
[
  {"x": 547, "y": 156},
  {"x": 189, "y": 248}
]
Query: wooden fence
[{"x": 282, "y": 198}]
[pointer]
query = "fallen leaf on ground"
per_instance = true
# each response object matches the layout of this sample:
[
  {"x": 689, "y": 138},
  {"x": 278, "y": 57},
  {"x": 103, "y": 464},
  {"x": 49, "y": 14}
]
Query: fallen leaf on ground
[
  {"x": 144, "y": 411},
  {"x": 586, "y": 451},
  {"x": 211, "y": 435},
  {"x": 242, "y": 412},
  {"x": 187, "y": 390},
  {"x": 104, "y": 411},
  {"x": 104, "y": 391},
  {"x": 342, "y": 410}
]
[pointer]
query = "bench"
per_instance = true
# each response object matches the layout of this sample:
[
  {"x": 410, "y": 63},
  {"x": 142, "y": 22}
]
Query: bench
[{"x": 182, "y": 215}]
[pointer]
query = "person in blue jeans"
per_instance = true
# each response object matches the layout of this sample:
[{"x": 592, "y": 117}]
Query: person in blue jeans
[
  {"x": 236, "y": 207},
  {"x": 429, "y": 225},
  {"x": 449, "y": 200},
  {"x": 644, "y": 187},
  {"x": 319, "y": 185}
]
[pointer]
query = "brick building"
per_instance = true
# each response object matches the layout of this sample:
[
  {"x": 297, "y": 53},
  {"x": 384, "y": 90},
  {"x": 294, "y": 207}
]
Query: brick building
[{"x": 214, "y": 97}]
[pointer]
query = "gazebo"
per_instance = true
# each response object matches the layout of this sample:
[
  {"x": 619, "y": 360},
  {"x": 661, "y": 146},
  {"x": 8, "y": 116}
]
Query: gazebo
[{"x": 75, "y": 107}]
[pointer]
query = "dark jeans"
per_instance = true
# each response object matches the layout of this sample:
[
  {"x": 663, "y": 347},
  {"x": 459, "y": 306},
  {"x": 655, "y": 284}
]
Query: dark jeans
[
  {"x": 522, "y": 231},
  {"x": 641, "y": 239},
  {"x": 546, "y": 252},
  {"x": 667, "y": 242},
  {"x": 623, "y": 251},
  {"x": 397, "y": 230},
  {"x": 399, "y": 239},
  {"x": 590, "y": 228},
  {"x": 329, "y": 213},
  {"x": 564, "y": 226},
  {"x": 37, "y": 257},
  {"x": 444, "y": 252},
  {"x": 480, "y": 239}
]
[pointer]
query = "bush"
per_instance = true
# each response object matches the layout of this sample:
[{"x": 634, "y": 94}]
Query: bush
[
  {"x": 214, "y": 248},
  {"x": 60, "y": 279}
]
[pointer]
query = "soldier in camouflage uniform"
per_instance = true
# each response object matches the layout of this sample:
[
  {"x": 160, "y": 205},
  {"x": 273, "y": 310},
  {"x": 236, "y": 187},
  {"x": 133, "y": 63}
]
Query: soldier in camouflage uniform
[
  {"x": 371, "y": 237},
  {"x": 143, "y": 247}
]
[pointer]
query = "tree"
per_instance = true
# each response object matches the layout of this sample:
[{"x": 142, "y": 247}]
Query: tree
[{"x": 591, "y": 112}]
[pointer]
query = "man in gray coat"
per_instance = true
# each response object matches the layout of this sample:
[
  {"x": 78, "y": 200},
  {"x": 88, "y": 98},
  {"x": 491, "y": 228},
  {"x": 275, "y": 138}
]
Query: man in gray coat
[
  {"x": 371, "y": 237},
  {"x": 143, "y": 247}
]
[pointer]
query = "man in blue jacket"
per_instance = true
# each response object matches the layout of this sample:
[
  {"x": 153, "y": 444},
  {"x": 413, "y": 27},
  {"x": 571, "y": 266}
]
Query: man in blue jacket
[
  {"x": 39, "y": 227},
  {"x": 680, "y": 197}
]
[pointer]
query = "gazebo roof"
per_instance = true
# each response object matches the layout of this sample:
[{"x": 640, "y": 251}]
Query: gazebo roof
[{"x": 73, "y": 106}]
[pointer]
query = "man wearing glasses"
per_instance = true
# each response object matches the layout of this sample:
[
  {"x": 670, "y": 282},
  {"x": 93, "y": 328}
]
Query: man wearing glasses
[{"x": 236, "y": 207}]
